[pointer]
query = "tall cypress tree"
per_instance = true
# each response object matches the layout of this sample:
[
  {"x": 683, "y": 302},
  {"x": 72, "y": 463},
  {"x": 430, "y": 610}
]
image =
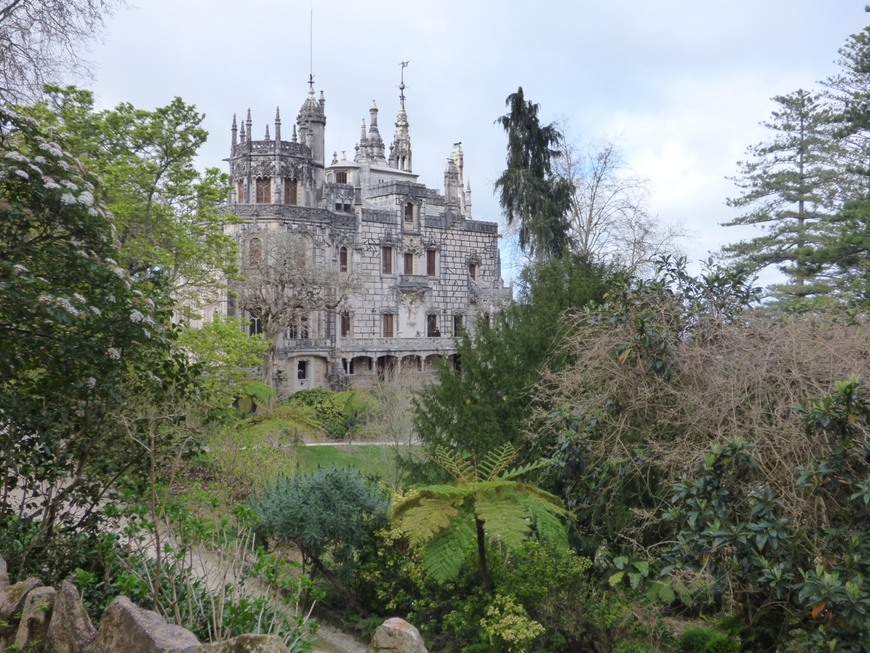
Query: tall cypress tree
[
  {"x": 787, "y": 187},
  {"x": 529, "y": 192}
]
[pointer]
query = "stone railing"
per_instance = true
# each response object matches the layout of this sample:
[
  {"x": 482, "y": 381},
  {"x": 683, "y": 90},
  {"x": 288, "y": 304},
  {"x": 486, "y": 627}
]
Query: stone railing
[{"x": 40, "y": 619}]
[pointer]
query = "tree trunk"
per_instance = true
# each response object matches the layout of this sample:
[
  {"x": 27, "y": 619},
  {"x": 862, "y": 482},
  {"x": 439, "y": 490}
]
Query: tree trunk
[{"x": 481, "y": 554}]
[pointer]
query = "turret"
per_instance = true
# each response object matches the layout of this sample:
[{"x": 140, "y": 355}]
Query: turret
[
  {"x": 400, "y": 150},
  {"x": 312, "y": 121}
]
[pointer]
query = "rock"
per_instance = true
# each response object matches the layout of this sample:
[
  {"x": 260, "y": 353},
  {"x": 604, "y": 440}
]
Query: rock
[
  {"x": 35, "y": 617},
  {"x": 4, "y": 575},
  {"x": 70, "y": 629},
  {"x": 397, "y": 636},
  {"x": 247, "y": 644},
  {"x": 13, "y": 597},
  {"x": 126, "y": 628}
]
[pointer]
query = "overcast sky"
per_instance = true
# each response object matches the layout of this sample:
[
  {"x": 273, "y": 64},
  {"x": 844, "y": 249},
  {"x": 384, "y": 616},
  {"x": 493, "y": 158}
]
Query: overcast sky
[{"x": 679, "y": 85}]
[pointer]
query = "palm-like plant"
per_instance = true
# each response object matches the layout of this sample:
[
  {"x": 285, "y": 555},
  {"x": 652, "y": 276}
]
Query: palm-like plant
[{"x": 485, "y": 500}]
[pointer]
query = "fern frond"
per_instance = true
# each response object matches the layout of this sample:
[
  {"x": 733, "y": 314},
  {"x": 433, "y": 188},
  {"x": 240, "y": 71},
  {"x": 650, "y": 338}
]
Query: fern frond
[
  {"x": 546, "y": 517},
  {"x": 494, "y": 462},
  {"x": 445, "y": 553},
  {"x": 454, "y": 463},
  {"x": 516, "y": 472},
  {"x": 424, "y": 517},
  {"x": 505, "y": 519}
]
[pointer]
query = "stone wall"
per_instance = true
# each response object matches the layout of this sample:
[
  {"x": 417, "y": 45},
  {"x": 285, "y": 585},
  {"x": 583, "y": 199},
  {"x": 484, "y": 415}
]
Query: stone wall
[{"x": 40, "y": 619}]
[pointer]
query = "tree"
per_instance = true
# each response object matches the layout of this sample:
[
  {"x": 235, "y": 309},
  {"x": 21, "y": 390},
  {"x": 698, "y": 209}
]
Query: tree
[
  {"x": 608, "y": 216},
  {"x": 485, "y": 501},
  {"x": 529, "y": 192},
  {"x": 329, "y": 514},
  {"x": 787, "y": 188},
  {"x": 168, "y": 216},
  {"x": 848, "y": 95},
  {"x": 486, "y": 404},
  {"x": 78, "y": 339},
  {"x": 282, "y": 284},
  {"x": 41, "y": 41}
]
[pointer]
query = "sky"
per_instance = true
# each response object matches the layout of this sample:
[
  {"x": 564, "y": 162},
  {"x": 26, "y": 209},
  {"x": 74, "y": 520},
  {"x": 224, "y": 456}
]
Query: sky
[{"x": 680, "y": 86}]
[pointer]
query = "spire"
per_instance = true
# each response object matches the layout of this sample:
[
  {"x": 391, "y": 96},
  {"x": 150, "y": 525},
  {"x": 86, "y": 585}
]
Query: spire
[
  {"x": 234, "y": 130},
  {"x": 268, "y": 138},
  {"x": 277, "y": 124},
  {"x": 248, "y": 124},
  {"x": 400, "y": 150},
  {"x": 295, "y": 139}
]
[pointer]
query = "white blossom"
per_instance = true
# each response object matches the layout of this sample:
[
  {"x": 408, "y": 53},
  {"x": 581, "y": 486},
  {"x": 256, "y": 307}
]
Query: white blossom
[
  {"x": 68, "y": 198},
  {"x": 136, "y": 316},
  {"x": 15, "y": 156},
  {"x": 21, "y": 173},
  {"x": 91, "y": 382},
  {"x": 114, "y": 354},
  {"x": 86, "y": 198},
  {"x": 96, "y": 311},
  {"x": 50, "y": 184}
]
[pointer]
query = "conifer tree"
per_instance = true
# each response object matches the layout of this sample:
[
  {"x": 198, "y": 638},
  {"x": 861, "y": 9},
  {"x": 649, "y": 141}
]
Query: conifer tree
[
  {"x": 529, "y": 191},
  {"x": 787, "y": 189}
]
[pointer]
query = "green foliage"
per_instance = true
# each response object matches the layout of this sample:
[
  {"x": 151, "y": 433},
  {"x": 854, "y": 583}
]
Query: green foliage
[
  {"x": 787, "y": 187},
  {"x": 337, "y": 412},
  {"x": 84, "y": 348},
  {"x": 485, "y": 500},
  {"x": 703, "y": 640},
  {"x": 529, "y": 192},
  {"x": 488, "y": 403},
  {"x": 508, "y": 626},
  {"x": 229, "y": 357},
  {"x": 329, "y": 514},
  {"x": 167, "y": 215}
]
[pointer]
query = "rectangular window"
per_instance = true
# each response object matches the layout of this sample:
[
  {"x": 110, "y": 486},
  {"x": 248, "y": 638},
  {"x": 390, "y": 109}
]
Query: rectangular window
[
  {"x": 458, "y": 326},
  {"x": 432, "y": 329},
  {"x": 430, "y": 262},
  {"x": 232, "y": 305},
  {"x": 409, "y": 263},
  {"x": 388, "y": 325},
  {"x": 264, "y": 191},
  {"x": 345, "y": 324},
  {"x": 240, "y": 193},
  {"x": 302, "y": 370},
  {"x": 409, "y": 212},
  {"x": 342, "y": 259},
  {"x": 387, "y": 260},
  {"x": 341, "y": 177},
  {"x": 290, "y": 191},
  {"x": 472, "y": 271}
]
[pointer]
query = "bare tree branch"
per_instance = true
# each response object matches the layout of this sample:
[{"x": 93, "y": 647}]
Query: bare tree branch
[{"x": 41, "y": 41}]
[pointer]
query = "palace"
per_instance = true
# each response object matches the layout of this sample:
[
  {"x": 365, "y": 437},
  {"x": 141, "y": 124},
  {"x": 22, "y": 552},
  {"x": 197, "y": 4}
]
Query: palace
[{"x": 424, "y": 269}]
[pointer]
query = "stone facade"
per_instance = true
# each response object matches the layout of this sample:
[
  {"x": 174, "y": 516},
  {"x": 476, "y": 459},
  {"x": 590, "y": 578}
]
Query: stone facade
[{"x": 424, "y": 268}]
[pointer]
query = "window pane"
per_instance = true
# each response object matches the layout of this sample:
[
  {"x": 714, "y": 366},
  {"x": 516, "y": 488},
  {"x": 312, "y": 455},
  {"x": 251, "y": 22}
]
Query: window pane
[{"x": 430, "y": 262}]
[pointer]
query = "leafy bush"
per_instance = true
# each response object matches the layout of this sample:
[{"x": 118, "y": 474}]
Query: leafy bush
[
  {"x": 329, "y": 515},
  {"x": 336, "y": 412},
  {"x": 703, "y": 640}
]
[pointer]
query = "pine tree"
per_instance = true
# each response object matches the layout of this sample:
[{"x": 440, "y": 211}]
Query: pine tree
[{"x": 787, "y": 189}]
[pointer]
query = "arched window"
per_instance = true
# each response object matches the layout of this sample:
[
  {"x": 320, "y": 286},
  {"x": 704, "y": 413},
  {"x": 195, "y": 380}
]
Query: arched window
[
  {"x": 342, "y": 260},
  {"x": 264, "y": 191},
  {"x": 291, "y": 191},
  {"x": 409, "y": 212}
]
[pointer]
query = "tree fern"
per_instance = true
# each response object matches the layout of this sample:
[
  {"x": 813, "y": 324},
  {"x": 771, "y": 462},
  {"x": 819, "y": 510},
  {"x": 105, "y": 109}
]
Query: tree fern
[
  {"x": 444, "y": 555},
  {"x": 485, "y": 502}
]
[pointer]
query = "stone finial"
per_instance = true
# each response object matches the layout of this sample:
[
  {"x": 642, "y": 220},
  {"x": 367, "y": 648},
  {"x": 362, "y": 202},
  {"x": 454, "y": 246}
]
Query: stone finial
[
  {"x": 235, "y": 129},
  {"x": 268, "y": 138},
  {"x": 397, "y": 636}
]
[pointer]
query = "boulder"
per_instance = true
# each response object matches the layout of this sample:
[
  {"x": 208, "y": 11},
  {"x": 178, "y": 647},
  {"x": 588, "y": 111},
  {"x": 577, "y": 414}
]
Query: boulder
[
  {"x": 70, "y": 629},
  {"x": 13, "y": 597},
  {"x": 247, "y": 644},
  {"x": 4, "y": 575},
  {"x": 125, "y": 628},
  {"x": 397, "y": 636},
  {"x": 35, "y": 617}
]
